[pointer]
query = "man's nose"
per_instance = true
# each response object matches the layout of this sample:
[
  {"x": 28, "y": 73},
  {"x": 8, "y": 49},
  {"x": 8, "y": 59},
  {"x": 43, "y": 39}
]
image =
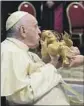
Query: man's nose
[{"x": 39, "y": 31}]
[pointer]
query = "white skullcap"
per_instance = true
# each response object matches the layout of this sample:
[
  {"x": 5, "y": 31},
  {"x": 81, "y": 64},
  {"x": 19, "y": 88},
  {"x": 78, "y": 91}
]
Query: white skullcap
[{"x": 14, "y": 18}]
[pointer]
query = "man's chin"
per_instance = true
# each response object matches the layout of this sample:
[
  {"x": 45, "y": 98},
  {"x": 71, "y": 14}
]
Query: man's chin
[{"x": 35, "y": 46}]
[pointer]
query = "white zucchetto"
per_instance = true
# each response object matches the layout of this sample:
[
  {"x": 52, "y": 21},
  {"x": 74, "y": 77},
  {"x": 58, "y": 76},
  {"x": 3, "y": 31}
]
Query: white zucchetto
[{"x": 14, "y": 18}]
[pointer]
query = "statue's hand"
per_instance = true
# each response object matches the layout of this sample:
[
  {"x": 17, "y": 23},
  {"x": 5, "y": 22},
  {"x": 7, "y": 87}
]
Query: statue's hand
[
  {"x": 66, "y": 36},
  {"x": 44, "y": 51},
  {"x": 68, "y": 41}
]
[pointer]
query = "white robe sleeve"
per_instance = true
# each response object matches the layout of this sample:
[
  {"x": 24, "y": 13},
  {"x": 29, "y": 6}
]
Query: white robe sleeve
[
  {"x": 25, "y": 88},
  {"x": 41, "y": 82},
  {"x": 44, "y": 80}
]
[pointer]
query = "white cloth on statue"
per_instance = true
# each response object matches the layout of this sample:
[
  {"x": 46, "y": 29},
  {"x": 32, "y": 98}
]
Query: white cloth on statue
[{"x": 16, "y": 84}]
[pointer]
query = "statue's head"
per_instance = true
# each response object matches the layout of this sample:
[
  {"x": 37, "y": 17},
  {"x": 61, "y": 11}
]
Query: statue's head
[{"x": 47, "y": 34}]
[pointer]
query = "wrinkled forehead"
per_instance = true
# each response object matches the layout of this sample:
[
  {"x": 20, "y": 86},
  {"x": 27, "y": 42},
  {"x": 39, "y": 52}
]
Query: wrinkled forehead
[
  {"x": 28, "y": 20},
  {"x": 31, "y": 20}
]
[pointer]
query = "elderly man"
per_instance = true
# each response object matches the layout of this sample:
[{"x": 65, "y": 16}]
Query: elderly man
[{"x": 25, "y": 79}]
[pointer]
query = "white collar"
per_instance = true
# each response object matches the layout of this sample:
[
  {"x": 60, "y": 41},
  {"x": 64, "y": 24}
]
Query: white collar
[{"x": 18, "y": 43}]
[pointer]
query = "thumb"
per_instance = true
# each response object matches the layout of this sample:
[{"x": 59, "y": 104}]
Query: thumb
[
  {"x": 41, "y": 41},
  {"x": 72, "y": 63},
  {"x": 54, "y": 57},
  {"x": 71, "y": 57}
]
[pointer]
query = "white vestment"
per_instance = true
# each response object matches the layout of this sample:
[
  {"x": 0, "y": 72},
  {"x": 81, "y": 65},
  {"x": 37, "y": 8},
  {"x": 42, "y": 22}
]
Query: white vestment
[{"x": 19, "y": 86}]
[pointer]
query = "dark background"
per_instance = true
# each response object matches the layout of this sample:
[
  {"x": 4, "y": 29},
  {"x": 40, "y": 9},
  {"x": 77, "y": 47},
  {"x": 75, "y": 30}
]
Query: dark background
[
  {"x": 46, "y": 22},
  {"x": 7, "y": 7}
]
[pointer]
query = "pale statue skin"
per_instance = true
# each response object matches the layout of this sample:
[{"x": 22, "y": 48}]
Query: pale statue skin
[{"x": 53, "y": 47}]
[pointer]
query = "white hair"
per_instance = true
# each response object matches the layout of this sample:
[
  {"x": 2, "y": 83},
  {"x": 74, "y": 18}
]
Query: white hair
[{"x": 14, "y": 31}]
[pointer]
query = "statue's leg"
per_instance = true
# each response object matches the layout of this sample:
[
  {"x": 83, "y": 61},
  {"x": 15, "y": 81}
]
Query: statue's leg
[
  {"x": 44, "y": 51},
  {"x": 53, "y": 50},
  {"x": 63, "y": 53}
]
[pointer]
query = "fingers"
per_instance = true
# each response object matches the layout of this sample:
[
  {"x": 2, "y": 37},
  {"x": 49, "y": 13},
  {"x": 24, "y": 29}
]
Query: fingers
[
  {"x": 41, "y": 42},
  {"x": 54, "y": 58},
  {"x": 71, "y": 65},
  {"x": 71, "y": 55},
  {"x": 73, "y": 62}
]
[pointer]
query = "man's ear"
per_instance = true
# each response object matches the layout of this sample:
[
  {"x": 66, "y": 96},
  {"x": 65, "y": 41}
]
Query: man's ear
[{"x": 22, "y": 31}]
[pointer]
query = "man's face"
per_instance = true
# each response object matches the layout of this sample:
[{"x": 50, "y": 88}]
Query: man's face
[{"x": 32, "y": 33}]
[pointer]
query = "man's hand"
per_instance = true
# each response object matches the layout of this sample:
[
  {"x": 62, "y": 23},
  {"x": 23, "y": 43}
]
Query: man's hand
[
  {"x": 55, "y": 61},
  {"x": 76, "y": 61},
  {"x": 75, "y": 50}
]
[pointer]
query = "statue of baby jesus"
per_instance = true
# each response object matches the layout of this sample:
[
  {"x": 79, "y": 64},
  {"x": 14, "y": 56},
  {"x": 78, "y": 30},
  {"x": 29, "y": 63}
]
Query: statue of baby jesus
[{"x": 51, "y": 46}]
